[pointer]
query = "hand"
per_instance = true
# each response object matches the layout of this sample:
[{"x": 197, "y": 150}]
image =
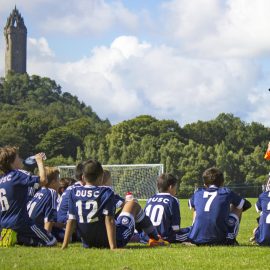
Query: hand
[{"x": 40, "y": 157}]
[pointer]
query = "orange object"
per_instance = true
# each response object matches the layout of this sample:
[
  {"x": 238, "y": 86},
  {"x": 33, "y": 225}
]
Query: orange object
[{"x": 267, "y": 154}]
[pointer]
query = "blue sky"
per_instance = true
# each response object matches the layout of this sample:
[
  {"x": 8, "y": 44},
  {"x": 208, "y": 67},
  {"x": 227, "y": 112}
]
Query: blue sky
[{"x": 186, "y": 60}]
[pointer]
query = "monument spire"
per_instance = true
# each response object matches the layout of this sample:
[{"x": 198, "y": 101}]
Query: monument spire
[{"x": 16, "y": 43}]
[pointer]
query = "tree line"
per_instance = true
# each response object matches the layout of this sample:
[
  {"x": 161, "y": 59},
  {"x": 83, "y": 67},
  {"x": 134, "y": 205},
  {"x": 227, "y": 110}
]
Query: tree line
[{"x": 37, "y": 116}]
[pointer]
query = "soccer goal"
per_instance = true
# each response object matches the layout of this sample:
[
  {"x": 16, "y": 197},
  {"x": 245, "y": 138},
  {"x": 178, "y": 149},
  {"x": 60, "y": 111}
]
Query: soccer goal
[{"x": 140, "y": 179}]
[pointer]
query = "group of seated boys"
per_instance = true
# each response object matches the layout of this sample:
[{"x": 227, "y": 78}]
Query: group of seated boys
[{"x": 43, "y": 210}]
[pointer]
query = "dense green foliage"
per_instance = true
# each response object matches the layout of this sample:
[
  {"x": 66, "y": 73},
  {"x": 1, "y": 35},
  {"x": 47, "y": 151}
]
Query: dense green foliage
[
  {"x": 37, "y": 116},
  {"x": 138, "y": 256}
]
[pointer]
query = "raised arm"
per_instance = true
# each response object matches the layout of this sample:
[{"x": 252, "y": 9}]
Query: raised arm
[{"x": 41, "y": 169}]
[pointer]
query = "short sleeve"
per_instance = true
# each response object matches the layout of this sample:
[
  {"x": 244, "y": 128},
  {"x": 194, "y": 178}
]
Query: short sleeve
[
  {"x": 175, "y": 211},
  {"x": 236, "y": 200},
  {"x": 119, "y": 201},
  {"x": 71, "y": 206},
  {"x": 258, "y": 205},
  {"x": 191, "y": 202},
  {"x": 109, "y": 206},
  {"x": 24, "y": 178},
  {"x": 50, "y": 211}
]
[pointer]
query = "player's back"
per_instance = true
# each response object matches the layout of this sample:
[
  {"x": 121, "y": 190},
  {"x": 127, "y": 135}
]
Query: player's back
[
  {"x": 212, "y": 206},
  {"x": 163, "y": 210},
  {"x": 62, "y": 207},
  {"x": 263, "y": 205},
  {"x": 89, "y": 205},
  {"x": 13, "y": 198},
  {"x": 42, "y": 207}
]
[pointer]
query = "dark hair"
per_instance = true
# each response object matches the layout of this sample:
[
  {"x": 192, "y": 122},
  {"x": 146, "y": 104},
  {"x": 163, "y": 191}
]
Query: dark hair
[
  {"x": 164, "y": 181},
  {"x": 92, "y": 170},
  {"x": 52, "y": 174},
  {"x": 79, "y": 171},
  {"x": 7, "y": 157},
  {"x": 64, "y": 183},
  {"x": 213, "y": 176}
]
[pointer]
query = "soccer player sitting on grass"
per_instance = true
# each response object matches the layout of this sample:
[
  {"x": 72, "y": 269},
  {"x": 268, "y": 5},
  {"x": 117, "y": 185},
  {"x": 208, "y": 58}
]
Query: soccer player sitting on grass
[
  {"x": 62, "y": 208},
  {"x": 14, "y": 218},
  {"x": 42, "y": 208},
  {"x": 163, "y": 210},
  {"x": 262, "y": 232},
  {"x": 217, "y": 211},
  {"x": 92, "y": 208}
]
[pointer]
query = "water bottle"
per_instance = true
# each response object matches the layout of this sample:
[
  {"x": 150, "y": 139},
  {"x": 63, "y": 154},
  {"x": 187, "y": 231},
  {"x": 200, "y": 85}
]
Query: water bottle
[
  {"x": 129, "y": 196},
  {"x": 31, "y": 161}
]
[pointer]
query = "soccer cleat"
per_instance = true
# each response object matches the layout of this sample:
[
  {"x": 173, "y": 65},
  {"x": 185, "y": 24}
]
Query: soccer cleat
[
  {"x": 155, "y": 243},
  {"x": 8, "y": 238}
]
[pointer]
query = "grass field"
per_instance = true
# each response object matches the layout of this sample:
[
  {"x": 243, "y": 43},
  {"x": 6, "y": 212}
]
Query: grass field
[{"x": 136, "y": 256}]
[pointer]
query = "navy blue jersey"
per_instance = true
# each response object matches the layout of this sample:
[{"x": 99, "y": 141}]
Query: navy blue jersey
[
  {"x": 13, "y": 198},
  {"x": 164, "y": 212},
  {"x": 263, "y": 232},
  {"x": 212, "y": 206},
  {"x": 89, "y": 205},
  {"x": 62, "y": 208},
  {"x": 42, "y": 208},
  {"x": 119, "y": 201}
]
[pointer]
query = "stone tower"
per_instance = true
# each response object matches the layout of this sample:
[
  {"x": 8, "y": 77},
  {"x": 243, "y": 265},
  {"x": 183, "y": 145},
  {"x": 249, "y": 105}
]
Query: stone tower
[{"x": 16, "y": 37}]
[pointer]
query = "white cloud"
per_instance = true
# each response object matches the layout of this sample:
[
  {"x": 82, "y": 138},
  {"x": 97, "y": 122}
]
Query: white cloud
[
  {"x": 90, "y": 17},
  {"x": 209, "y": 62},
  {"x": 217, "y": 28},
  {"x": 39, "y": 47},
  {"x": 130, "y": 78}
]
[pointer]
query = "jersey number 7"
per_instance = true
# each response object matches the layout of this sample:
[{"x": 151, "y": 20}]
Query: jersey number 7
[{"x": 211, "y": 196}]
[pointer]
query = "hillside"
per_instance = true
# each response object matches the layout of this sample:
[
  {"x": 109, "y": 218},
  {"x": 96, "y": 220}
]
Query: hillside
[{"x": 37, "y": 116}]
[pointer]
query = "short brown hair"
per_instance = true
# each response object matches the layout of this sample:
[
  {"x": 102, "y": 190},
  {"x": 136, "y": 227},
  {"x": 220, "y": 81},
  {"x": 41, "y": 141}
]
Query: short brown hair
[
  {"x": 64, "y": 183},
  {"x": 79, "y": 171},
  {"x": 213, "y": 176},
  {"x": 164, "y": 181},
  {"x": 92, "y": 170},
  {"x": 7, "y": 156},
  {"x": 52, "y": 174}
]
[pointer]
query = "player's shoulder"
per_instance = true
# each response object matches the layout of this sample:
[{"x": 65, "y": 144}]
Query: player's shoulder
[
  {"x": 106, "y": 188},
  {"x": 22, "y": 172},
  {"x": 199, "y": 190},
  {"x": 225, "y": 190},
  {"x": 264, "y": 195},
  {"x": 52, "y": 192}
]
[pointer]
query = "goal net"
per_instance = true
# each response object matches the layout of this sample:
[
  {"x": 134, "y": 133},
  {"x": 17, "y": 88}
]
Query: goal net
[{"x": 140, "y": 179}]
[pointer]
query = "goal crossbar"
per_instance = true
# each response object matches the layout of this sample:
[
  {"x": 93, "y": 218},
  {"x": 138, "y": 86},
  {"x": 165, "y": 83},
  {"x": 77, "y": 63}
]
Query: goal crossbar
[{"x": 140, "y": 179}]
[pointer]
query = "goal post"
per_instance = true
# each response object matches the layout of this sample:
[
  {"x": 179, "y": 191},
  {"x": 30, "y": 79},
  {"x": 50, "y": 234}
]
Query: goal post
[{"x": 140, "y": 179}]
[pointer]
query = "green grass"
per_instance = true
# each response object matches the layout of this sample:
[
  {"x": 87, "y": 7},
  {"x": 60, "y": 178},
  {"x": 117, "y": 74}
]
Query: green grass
[{"x": 136, "y": 256}]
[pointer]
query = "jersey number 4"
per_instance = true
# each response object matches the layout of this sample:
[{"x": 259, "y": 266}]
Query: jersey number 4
[
  {"x": 3, "y": 200},
  {"x": 211, "y": 196}
]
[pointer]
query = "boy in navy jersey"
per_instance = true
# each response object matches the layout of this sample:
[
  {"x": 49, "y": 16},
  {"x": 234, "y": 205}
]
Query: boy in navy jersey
[
  {"x": 217, "y": 211},
  {"x": 62, "y": 208},
  {"x": 164, "y": 212},
  {"x": 92, "y": 208},
  {"x": 262, "y": 232},
  {"x": 14, "y": 218},
  {"x": 42, "y": 208}
]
